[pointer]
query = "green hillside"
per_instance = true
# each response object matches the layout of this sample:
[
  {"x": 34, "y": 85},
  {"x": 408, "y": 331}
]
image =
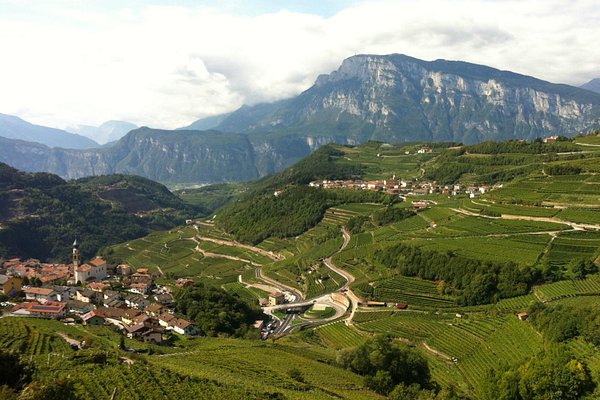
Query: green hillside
[
  {"x": 41, "y": 214},
  {"x": 459, "y": 267}
]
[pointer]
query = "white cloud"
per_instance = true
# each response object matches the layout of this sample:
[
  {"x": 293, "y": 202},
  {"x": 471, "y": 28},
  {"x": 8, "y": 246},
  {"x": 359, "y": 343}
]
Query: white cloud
[{"x": 165, "y": 66}]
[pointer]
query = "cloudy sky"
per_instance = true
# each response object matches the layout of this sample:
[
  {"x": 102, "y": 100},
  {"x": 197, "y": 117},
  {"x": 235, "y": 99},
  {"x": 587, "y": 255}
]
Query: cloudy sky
[{"x": 167, "y": 63}]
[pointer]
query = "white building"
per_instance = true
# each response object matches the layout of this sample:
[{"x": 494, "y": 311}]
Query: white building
[{"x": 96, "y": 269}]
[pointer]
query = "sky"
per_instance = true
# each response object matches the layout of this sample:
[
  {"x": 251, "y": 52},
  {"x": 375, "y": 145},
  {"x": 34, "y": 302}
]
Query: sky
[{"x": 166, "y": 64}]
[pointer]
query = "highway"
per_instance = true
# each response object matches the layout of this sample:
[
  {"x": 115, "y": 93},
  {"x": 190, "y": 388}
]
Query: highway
[{"x": 286, "y": 324}]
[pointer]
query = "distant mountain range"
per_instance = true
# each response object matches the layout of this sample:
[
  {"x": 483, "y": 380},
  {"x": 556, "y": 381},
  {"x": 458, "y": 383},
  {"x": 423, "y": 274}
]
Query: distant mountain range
[
  {"x": 109, "y": 131},
  {"x": 15, "y": 128},
  {"x": 391, "y": 98},
  {"x": 593, "y": 85},
  {"x": 400, "y": 98}
]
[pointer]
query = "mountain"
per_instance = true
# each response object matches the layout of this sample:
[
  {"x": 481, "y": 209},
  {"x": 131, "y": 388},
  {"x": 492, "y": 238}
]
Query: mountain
[
  {"x": 593, "y": 85},
  {"x": 167, "y": 156},
  {"x": 109, "y": 131},
  {"x": 393, "y": 98},
  {"x": 41, "y": 214},
  {"x": 400, "y": 98},
  {"x": 207, "y": 123},
  {"x": 15, "y": 128}
]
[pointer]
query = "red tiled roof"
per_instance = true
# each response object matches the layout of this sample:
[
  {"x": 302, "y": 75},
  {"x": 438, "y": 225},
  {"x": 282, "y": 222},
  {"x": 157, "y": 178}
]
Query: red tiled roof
[
  {"x": 97, "y": 261},
  {"x": 39, "y": 290}
]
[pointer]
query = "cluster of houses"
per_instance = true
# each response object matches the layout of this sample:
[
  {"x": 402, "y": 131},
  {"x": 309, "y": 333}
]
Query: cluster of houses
[
  {"x": 403, "y": 188},
  {"x": 140, "y": 309}
]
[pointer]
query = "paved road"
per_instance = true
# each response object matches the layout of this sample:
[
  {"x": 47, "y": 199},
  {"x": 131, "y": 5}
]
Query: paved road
[{"x": 354, "y": 299}]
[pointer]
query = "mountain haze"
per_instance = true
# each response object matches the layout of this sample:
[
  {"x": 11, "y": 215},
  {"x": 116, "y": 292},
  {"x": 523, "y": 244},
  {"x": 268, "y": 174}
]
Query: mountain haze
[
  {"x": 109, "y": 131},
  {"x": 593, "y": 85},
  {"x": 393, "y": 98},
  {"x": 15, "y": 128}
]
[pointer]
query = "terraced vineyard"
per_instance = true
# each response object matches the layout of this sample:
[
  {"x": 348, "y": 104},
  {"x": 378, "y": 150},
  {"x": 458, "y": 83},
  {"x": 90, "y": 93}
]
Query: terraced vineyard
[
  {"x": 570, "y": 288},
  {"x": 414, "y": 292},
  {"x": 339, "y": 335}
]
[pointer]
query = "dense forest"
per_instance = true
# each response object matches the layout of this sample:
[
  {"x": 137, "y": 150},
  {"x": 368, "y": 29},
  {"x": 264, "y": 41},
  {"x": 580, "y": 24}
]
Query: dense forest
[
  {"x": 216, "y": 312},
  {"x": 478, "y": 282},
  {"x": 41, "y": 214},
  {"x": 559, "y": 323},
  {"x": 289, "y": 213}
]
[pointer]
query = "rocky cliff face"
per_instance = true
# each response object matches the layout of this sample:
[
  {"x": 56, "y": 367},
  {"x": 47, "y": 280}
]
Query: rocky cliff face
[{"x": 397, "y": 97}]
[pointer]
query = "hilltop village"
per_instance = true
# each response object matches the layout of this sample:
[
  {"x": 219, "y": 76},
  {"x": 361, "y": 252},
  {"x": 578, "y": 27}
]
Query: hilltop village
[
  {"x": 405, "y": 188},
  {"x": 94, "y": 294}
]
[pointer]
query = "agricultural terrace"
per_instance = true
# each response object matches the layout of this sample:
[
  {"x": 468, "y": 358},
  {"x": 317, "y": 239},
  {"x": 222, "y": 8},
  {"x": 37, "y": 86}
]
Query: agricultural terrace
[
  {"x": 381, "y": 161},
  {"x": 200, "y": 368}
]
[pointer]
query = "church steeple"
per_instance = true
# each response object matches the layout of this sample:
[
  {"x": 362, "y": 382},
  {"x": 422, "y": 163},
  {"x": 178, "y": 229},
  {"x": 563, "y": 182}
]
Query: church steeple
[{"x": 76, "y": 255}]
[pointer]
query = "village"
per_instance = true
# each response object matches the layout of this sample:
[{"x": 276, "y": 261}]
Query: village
[
  {"x": 405, "y": 188},
  {"x": 94, "y": 294}
]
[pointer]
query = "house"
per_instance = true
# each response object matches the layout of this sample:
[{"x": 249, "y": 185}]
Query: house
[
  {"x": 550, "y": 139},
  {"x": 85, "y": 295},
  {"x": 79, "y": 307},
  {"x": 139, "y": 288},
  {"x": 152, "y": 336},
  {"x": 92, "y": 318},
  {"x": 64, "y": 293},
  {"x": 522, "y": 316},
  {"x": 48, "y": 310},
  {"x": 141, "y": 276},
  {"x": 154, "y": 310},
  {"x": 182, "y": 326},
  {"x": 165, "y": 299},
  {"x": 43, "y": 295},
  {"x": 420, "y": 204},
  {"x": 10, "y": 285},
  {"x": 276, "y": 298},
  {"x": 129, "y": 315},
  {"x": 136, "y": 301},
  {"x": 165, "y": 319},
  {"x": 124, "y": 269},
  {"x": 98, "y": 286},
  {"x": 401, "y": 306},
  {"x": 424, "y": 150},
  {"x": 183, "y": 283}
]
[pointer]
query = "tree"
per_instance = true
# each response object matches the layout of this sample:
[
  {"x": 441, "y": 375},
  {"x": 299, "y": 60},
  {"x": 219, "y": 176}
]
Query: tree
[
  {"x": 385, "y": 364},
  {"x": 14, "y": 373}
]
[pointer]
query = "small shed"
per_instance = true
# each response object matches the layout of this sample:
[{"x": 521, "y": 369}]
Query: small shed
[{"x": 523, "y": 316}]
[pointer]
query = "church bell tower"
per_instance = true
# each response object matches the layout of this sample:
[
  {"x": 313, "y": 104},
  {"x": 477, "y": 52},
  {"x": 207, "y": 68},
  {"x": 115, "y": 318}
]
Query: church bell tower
[{"x": 76, "y": 255}]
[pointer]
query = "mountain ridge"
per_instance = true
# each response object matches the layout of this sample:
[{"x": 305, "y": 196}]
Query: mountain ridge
[
  {"x": 391, "y": 98},
  {"x": 13, "y": 127},
  {"x": 399, "y": 98}
]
